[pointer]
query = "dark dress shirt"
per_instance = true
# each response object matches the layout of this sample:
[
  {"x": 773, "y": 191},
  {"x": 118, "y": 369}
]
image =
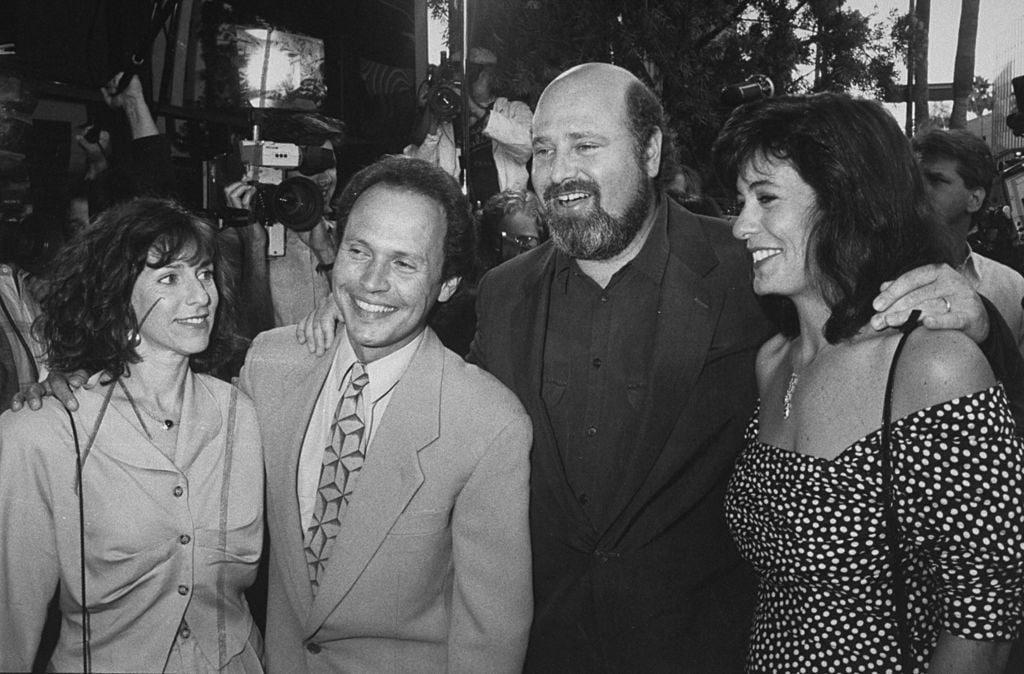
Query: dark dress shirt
[{"x": 596, "y": 367}]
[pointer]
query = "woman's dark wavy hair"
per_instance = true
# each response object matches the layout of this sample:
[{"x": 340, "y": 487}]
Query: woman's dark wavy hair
[
  {"x": 87, "y": 317},
  {"x": 426, "y": 179},
  {"x": 873, "y": 221}
]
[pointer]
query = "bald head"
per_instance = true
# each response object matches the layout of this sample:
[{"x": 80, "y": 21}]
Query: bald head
[{"x": 609, "y": 81}]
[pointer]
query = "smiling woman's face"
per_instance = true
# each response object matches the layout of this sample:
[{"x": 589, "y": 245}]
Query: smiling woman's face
[
  {"x": 175, "y": 306},
  {"x": 778, "y": 210}
]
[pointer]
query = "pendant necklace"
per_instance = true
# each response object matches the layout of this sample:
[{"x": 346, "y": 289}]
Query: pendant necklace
[
  {"x": 165, "y": 424},
  {"x": 787, "y": 400},
  {"x": 794, "y": 379}
]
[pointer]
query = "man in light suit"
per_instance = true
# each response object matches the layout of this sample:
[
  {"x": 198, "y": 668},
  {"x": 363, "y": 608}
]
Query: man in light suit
[{"x": 430, "y": 570}]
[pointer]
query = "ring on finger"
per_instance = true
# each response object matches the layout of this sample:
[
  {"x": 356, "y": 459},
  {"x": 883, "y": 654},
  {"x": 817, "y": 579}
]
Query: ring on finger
[{"x": 949, "y": 307}]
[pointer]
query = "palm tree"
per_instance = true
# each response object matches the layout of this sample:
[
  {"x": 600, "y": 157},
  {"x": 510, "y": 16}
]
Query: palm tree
[
  {"x": 963, "y": 65},
  {"x": 922, "y": 15}
]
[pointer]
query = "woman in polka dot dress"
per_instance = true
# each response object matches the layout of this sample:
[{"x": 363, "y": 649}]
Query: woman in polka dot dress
[{"x": 832, "y": 206}]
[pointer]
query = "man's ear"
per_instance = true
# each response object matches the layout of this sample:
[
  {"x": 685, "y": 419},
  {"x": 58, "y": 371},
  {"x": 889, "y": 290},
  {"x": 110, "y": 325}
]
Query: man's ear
[
  {"x": 652, "y": 153},
  {"x": 975, "y": 199},
  {"x": 448, "y": 288}
]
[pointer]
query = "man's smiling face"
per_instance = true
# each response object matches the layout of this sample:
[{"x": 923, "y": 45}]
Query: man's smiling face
[{"x": 387, "y": 275}]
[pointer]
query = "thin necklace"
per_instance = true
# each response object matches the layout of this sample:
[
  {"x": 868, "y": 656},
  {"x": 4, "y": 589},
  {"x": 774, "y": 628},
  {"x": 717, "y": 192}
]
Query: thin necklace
[
  {"x": 794, "y": 379},
  {"x": 166, "y": 424},
  {"x": 787, "y": 400}
]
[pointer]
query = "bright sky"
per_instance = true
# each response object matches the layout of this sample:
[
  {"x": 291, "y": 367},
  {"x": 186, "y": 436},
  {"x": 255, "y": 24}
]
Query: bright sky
[{"x": 995, "y": 19}]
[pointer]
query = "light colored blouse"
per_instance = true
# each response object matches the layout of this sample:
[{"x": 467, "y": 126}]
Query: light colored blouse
[{"x": 169, "y": 546}]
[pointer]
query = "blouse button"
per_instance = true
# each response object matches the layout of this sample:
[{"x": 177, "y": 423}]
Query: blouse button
[
  {"x": 178, "y": 491},
  {"x": 183, "y": 589},
  {"x": 185, "y": 539}
]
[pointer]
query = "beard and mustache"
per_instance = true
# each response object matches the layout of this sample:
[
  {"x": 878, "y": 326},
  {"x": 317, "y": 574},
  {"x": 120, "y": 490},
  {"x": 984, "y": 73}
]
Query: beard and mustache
[{"x": 595, "y": 234}]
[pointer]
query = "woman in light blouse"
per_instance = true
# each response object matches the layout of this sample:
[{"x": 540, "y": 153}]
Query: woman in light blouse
[{"x": 167, "y": 509}]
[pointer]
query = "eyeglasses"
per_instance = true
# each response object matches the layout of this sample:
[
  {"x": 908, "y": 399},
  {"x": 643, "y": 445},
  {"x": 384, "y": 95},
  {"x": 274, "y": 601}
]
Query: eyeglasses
[{"x": 521, "y": 241}]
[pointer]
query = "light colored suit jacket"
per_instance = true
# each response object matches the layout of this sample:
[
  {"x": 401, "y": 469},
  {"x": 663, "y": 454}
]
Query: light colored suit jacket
[{"x": 431, "y": 570}]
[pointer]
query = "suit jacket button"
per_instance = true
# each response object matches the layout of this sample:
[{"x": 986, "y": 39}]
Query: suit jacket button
[{"x": 313, "y": 648}]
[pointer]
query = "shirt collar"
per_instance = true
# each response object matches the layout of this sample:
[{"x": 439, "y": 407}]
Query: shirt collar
[
  {"x": 967, "y": 267},
  {"x": 384, "y": 372}
]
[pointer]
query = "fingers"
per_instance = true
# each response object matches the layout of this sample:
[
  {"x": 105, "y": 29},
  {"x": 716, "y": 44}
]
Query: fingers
[
  {"x": 317, "y": 330},
  {"x": 239, "y": 194},
  {"x": 31, "y": 396},
  {"x": 57, "y": 385},
  {"x": 912, "y": 283}
]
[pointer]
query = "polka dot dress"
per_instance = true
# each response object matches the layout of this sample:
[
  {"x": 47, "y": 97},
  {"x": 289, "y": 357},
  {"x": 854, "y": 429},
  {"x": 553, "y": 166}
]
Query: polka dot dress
[{"x": 814, "y": 531}]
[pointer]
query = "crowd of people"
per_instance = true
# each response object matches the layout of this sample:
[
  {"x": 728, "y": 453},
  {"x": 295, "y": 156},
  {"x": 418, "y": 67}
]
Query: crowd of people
[{"x": 787, "y": 441}]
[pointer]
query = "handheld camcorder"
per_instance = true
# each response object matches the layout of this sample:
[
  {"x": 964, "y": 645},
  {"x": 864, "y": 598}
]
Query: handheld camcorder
[
  {"x": 444, "y": 86},
  {"x": 295, "y": 202}
]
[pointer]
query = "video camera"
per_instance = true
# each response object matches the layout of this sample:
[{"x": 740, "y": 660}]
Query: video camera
[
  {"x": 295, "y": 202},
  {"x": 444, "y": 87}
]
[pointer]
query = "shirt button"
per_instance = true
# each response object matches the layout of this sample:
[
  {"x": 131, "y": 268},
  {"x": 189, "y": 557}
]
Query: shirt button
[
  {"x": 183, "y": 589},
  {"x": 604, "y": 298},
  {"x": 591, "y": 432},
  {"x": 178, "y": 491},
  {"x": 185, "y": 539},
  {"x": 313, "y": 648},
  {"x": 185, "y": 632},
  {"x": 584, "y": 499},
  {"x": 596, "y": 362}
]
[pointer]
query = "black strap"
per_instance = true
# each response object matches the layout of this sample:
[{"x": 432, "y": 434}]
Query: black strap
[{"x": 899, "y": 585}]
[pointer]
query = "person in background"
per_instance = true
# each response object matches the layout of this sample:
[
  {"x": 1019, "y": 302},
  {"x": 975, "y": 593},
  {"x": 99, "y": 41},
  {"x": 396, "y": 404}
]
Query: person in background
[
  {"x": 832, "y": 206},
  {"x": 27, "y": 248},
  {"x": 958, "y": 172},
  {"x": 279, "y": 288},
  {"x": 155, "y": 540},
  {"x": 143, "y": 169},
  {"x": 510, "y": 224},
  {"x": 498, "y": 147}
]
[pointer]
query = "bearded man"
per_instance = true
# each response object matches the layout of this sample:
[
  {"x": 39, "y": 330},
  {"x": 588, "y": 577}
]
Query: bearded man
[{"x": 630, "y": 339}]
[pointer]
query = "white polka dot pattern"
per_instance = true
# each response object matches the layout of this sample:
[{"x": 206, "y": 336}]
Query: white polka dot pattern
[{"x": 814, "y": 531}]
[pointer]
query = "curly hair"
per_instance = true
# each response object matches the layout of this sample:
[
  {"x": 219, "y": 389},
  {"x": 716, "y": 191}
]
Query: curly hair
[
  {"x": 87, "y": 317},
  {"x": 873, "y": 222},
  {"x": 427, "y": 180}
]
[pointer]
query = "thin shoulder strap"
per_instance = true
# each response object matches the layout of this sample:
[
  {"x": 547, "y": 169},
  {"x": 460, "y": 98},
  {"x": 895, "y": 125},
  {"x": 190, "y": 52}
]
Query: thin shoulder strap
[{"x": 899, "y": 585}]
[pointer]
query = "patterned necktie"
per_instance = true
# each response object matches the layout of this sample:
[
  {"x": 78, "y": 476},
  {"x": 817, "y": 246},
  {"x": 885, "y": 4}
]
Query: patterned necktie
[{"x": 342, "y": 461}]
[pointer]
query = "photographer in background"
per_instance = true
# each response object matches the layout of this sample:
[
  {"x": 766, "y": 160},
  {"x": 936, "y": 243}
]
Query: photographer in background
[
  {"x": 280, "y": 287},
  {"x": 498, "y": 147}
]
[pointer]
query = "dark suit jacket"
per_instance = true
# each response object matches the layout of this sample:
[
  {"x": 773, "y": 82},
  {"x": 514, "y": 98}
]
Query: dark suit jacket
[{"x": 662, "y": 587}]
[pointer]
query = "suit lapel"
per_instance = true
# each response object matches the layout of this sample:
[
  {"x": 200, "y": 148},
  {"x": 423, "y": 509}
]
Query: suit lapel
[
  {"x": 390, "y": 477},
  {"x": 527, "y": 359},
  {"x": 687, "y": 312},
  {"x": 282, "y": 460}
]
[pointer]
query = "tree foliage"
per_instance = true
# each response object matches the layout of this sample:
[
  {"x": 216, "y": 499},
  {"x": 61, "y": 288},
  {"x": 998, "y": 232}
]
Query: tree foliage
[{"x": 687, "y": 50}]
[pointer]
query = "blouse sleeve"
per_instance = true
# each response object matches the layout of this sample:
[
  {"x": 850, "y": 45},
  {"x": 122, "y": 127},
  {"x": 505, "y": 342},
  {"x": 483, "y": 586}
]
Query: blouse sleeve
[
  {"x": 28, "y": 555},
  {"x": 959, "y": 471}
]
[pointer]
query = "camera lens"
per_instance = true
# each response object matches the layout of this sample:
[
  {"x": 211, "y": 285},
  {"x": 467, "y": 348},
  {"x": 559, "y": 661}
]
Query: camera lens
[{"x": 297, "y": 204}]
